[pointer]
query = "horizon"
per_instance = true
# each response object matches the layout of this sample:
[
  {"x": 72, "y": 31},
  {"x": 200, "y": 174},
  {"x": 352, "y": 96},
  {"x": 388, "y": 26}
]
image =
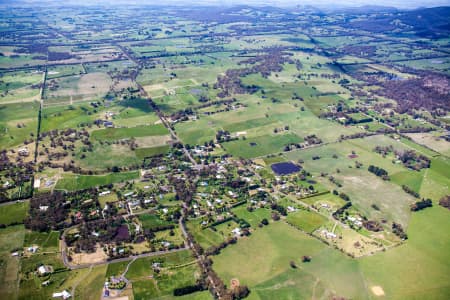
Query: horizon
[{"x": 322, "y": 4}]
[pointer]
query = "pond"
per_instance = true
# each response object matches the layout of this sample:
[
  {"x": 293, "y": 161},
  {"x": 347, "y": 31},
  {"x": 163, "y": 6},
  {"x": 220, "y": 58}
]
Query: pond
[{"x": 285, "y": 168}]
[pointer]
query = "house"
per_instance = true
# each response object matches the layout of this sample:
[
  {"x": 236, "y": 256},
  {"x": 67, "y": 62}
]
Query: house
[
  {"x": 23, "y": 152},
  {"x": 108, "y": 124},
  {"x": 33, "y": 249},
  {"x": 44, "y": 270},
  {"x": 104, "y": 193},
  {"x": 45, "y": 283},
  {"x": 43, "y": 207},
  {"x": 291, "y": 209},
  {"x": 64, "y": 294},
  {"x": 236, "y": 231}
]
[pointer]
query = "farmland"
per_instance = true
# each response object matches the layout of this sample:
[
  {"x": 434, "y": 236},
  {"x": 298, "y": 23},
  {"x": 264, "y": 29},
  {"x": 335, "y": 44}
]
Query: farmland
[{"x": 224, "y": 152}]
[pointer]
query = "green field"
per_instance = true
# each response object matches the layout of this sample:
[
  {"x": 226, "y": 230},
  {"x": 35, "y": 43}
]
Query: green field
[
  {"x": 253, "y": 218},
  {"x": 268, "y": 273},
  {"x": 13, "y": 213},
  {"x": 11, "y": 238},
  {"x": 263, "y": 145},
  {"x": 205, "y": 237},
  {"x": 73, "y": 182},
  {"x": 13, "y": 114},
  {"x": 306, "y": 220},
  {"x": 111, "y": 134},
  {"x": 47, "y": 241},
  {"x": 150, "y": 221},
  {"x": 142, "y": 153}
]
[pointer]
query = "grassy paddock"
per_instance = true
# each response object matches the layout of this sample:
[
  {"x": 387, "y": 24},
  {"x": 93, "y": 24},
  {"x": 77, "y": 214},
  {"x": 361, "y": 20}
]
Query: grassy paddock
[
  {"x": 74, "y": 182},
  {"x": 13, "y": 213}
]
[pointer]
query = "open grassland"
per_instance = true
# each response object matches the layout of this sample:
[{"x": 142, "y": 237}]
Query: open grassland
[
  {"x": 142, "y": 153},
  {"x": 260, "y": 115},
  {"x": 90, "y": 287},
  {"x": 104, "y": 157},
  {"x": 79, "y": 87},
  {"x": 13, "y": 213},
  {"x": 268, "y": 273},
  {"x": 71, "y": 182},
  {"x": 305, "y": 220},
  {"x": 17, "y": 123},
  {"x": 422, "y": 262},
  {"x": 259, "y": 146},
  {"x": 64, "y": 70},
  {"x": 31, "y": 284},
  {"x": 205, "y": 237},
  {"x": 64, "y": 117},
  {"x": 110, "y": 134},
  {"x": 150, "y": 221},
  {"x": 255, "y": 217},
  {"x": 46, "y": 241},
  {"x": 21, "y": 86},
  {"x": 363, "y": 187},
  {"x": 432, "y": 141},
  {"x": 11, "y": 238},
  {"x": 162, "y": 286}
]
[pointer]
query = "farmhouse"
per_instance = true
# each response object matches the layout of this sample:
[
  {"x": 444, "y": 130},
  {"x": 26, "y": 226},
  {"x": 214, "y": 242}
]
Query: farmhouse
[
  {"x": 33, "y": 249},
  {"x": 23, "y": 152},
  {"x": 64, "y": 294},
  {"x": 236, "y": 231},
  {"x": 44, "y": 270}
]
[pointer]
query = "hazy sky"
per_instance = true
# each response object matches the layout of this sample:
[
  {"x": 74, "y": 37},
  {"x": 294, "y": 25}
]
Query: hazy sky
[{"x": 318, "y": 3}]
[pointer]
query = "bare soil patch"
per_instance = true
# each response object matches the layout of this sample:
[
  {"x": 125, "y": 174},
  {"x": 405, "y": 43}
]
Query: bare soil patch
[{"x": 377, "y": 290}]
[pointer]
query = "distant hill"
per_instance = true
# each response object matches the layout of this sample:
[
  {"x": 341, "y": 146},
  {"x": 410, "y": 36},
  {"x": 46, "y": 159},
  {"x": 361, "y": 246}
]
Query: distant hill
[{"x": 426, "y": 22}]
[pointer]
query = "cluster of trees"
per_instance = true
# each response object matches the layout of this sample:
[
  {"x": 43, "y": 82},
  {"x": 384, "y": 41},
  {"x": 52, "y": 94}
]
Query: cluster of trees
[
  {"x": 384, "y": 150},
  {"x": 272, "y": 61},
  {"x": 279, "y": 208},
  {"x": 184, "y": 188},
  {"x": 53, "y": 56},
  {"x": 412, "y": 160},
  {"x": 429, "y": 90},
  {"x": 380, "y": 172},
  {"x": 16, "y": 172},
  {"x": 339, "y": 213},
  {"x": 445, "y": 201},
  {"x": 410, "y": 191},
  {"x": 419, "y": 205},
  {"x": 187, "y": 290},
  {"x": 215, "y": 250},
  {"x": 372, "y": 225},
  {"x": 47, "y": 211},
  {"x": 223, "y": 136},
  {"x": 397, "y": 229},
  {"x": 110, "y": 230},
  {"x": 358, "y": 135},
  {"x": 50, "y": 211}
]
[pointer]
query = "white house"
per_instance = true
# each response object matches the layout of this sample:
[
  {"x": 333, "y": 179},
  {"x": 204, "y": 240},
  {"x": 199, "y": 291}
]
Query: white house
[{"x": 64, "y": 294}]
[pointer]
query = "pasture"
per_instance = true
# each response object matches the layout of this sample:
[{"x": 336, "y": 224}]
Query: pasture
[
  {"x": 307, "y": 221},
  {"x": 111, "y": 134},
  {"x": 11, "y": 238},
  {"x": 72, "y": 182},
  {"x": 269, "y": 273},
  {"x": 18, "y": 122},
  {"x": 13, "y": 213}
]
